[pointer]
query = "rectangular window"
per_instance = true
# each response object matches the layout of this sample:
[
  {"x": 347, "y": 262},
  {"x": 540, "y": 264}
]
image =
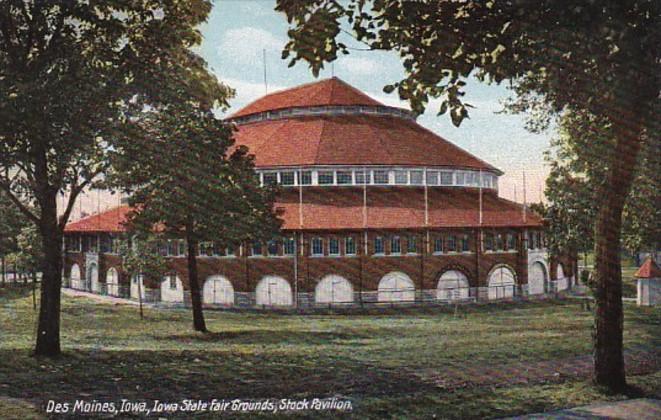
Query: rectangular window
[
  {"x": 204, "y": 249},
  {"x": 257, "y": 249},
  {"x": 229, "y": 251},
  {"x": 488, "y": 241},
  {"x": 317, "y": 246},
  {"x": 305, "y": 178},
  {"x": 500, "y": 243},
  {"x": 378, "y": 245},
  {"x": 333, "y": 246},
  {"x": 287, "y": 178},
  {"x": 446, "y": 178},
  {"x": 349, "y": 246},
  {"x": 325, "y": 177},
  {"x": 411, "y": 244},
  {"x": 289, "y": 246},
  {"x": 362, "y": 177},
  {"x": 272, "y": 248},
  {"x": 438, "y": 245},
  {"x": 432, "y": 178},
  {"x": 182, "y": 247},
  {"x": 381, "y": 177},
  {"x": 451, "y": 244},
  {"x": 344, "y": 177},
  {"x": 270, "y": 178},
  {"x": 172, "y": 249},
  {"x": 173, "y": 282},
  {"x": 395, "y": 245},
  {"x": 461, "y": 178},
  {"x": 465, "y": 244},
  {"x": 511, "y": 242},
  {"x": 401, "y": 177},
  {"x": 106, "y": 243},
  {"x": 416, "y": 177}
]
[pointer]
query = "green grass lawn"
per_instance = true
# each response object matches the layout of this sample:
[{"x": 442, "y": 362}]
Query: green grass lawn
[{"x": 411, "y": 363}]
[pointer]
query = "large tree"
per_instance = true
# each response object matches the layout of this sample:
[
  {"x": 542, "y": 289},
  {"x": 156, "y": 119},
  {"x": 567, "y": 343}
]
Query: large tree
[
  {"x": 187, "y": 180},
  {"x": 599, "y": 56},
  {"x": 71, "y": 73}
]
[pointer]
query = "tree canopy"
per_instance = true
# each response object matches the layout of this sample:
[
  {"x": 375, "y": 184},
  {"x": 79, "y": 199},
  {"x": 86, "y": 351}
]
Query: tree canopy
[{"x": 71, "y": 75}]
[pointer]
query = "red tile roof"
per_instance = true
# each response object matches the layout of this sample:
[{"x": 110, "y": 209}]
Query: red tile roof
[
  {"x": 325, "y": 92},
  {"x": 399, "y": 208},
  {"x": 108, "y": 221},
  {"x": 351, "y": 140},
  {"x": 649, "y": 270},
  {"x": 387, "y": 208}
]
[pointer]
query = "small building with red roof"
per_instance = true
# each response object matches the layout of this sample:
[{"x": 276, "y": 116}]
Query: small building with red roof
[
  {"x": 649, "y": 283},
  {"x": 375, "y": 208}
]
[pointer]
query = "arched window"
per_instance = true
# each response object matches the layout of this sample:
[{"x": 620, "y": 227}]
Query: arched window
[
  {"x": 333, "y": 289},
  {"x": 273, "y": 291},
  {"x": 502, "y": 282},
  {"x": 218, "y": 290},
  {"x": 396, "y": 287},
  {"x": 452, "y": 285}
]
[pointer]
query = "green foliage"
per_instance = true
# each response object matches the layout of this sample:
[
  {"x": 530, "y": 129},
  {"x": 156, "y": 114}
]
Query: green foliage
[
  {"x": 583, "y": 56},
  {"x": 141, "y": 256},
  {"x": 29, "y": 252},
  {"x": 71, "y": 73},
  {"x": 579, "y": 163},
  {"x": 11, "y": 224},
  {"x": 186, "y": 178}
]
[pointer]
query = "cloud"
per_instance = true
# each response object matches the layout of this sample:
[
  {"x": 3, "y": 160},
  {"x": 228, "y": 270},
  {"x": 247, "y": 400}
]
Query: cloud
[
  {"x": 358, "y": 66},
  {"x": 246, "y": 92},
  {"x": 245, "y": 45}
]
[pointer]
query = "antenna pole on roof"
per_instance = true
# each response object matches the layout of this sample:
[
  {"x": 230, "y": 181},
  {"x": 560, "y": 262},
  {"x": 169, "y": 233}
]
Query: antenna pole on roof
[
  {"x": 266, "y": 86},
  {"x": 480, "y": 192},
  {"x": 524, "y": 196}
]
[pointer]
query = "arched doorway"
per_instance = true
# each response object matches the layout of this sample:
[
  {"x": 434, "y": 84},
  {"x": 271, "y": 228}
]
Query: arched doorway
[
  {"x": 74, "y": 277},
  {"x": 218, "y": 290},
  {"x": 137, "y": 286},
  {"x": 396, "y": 287},
  {"x": 537, "y": 279},
  {"x": 502, "y": 282},
  {"x": 560, "y": 277},
  {"x": 172, "y": 289},
  {"x": 273, "y": 291},
  {"x": 333, "y": 289},
  {"x": 452, "y": 285},
  {"x": 112, "y": 282},
  {"x": 93, "y": 278}
]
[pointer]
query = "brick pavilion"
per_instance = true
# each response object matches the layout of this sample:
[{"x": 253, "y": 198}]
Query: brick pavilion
[{"x": 376, "y": 208}]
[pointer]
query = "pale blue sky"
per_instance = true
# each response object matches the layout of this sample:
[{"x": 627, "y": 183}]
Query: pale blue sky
[{"x": 239, "y": 30}]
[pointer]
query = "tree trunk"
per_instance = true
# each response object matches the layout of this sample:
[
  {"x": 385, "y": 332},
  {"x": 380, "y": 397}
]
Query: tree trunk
[
  {"x": 608, "y": 325},
  {"x": 196, "y": 297},
  {"x": 48, "y": 330}
]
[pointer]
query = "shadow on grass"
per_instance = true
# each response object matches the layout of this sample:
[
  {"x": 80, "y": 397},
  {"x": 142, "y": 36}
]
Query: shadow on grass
[
  {"x": 264, "y": 336},
  {"x": 13, "y": 292},
  {"x": 177, "y": 374}
]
